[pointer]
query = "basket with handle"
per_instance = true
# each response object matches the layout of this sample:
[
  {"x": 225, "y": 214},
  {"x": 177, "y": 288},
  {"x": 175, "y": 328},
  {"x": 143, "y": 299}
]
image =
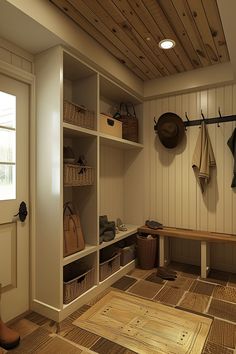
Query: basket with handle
[{"x": 129, "y": 121}]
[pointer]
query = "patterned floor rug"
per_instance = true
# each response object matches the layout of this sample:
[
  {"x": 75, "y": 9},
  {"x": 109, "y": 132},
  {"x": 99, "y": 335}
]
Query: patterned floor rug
[{"x": 145, "y": 326}]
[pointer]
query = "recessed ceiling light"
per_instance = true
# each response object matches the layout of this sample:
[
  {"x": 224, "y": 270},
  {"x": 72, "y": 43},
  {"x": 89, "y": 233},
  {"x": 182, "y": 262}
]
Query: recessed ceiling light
[{"x": 167, "y": 44}]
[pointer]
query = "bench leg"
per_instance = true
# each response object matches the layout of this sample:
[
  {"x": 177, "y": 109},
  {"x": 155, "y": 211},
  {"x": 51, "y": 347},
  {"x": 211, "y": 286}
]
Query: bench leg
[
  {"x": 205, "y": 259},
  {"x": 161, "y": 251}
]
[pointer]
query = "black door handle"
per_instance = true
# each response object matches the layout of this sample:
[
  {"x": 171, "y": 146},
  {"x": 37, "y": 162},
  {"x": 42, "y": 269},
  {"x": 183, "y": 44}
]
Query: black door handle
[{"x": 22, "y": 212}]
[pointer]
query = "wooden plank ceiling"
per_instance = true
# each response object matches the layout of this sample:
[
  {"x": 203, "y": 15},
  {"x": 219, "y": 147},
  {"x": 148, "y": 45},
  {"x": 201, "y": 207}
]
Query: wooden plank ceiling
[{"x": 131, "y": 30}]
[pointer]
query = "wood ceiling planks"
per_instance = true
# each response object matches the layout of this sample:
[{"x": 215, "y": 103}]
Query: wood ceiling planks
[{"x": 131, "y": 30}]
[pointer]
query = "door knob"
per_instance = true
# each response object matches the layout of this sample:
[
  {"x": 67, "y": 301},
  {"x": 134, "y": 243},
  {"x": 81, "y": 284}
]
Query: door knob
[{"x": 22, "y": 212}]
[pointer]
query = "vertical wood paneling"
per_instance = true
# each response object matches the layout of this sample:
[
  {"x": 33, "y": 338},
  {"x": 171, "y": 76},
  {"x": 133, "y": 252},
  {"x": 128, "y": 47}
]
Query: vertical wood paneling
[{"x": 174, "y": 195}]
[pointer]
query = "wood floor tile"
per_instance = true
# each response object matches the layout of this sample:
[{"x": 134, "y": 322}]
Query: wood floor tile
[
  {"x": 232, "y": 280},
  {"x": 104, "y": 346},
  {"x": 195, "y": 302},
  {"x": 59, "y": 346},
  {"x": 140, "y": 273},
  {"x": 124, "y": 283},
  {"x": 222, "y": 309},
  {"x": 212, "y": 348},
  {"x": 155, "y": 279},
  {"x": 66, "y": 325},
  {"x": 99, "y": 296},
  {"x": 24, "y": 327},
  {"x": 31, "y": 343},
  {"x": 169, "y": 295},
  {"x": 201, "y": 287},
  {"x": 180, "y": 283},
  {"x": 226, "y": 293},
  {"x": 223, "y": 333},
  {"x": 82, "y": 337},
  {"x": 37, "y": 318},
  {"x": 145, "y": 289},
  {"x": 218, "y": 277}
]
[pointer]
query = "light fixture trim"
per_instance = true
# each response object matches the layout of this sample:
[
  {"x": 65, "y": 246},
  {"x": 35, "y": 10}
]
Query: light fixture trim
[{"x": 167, "y": 43}]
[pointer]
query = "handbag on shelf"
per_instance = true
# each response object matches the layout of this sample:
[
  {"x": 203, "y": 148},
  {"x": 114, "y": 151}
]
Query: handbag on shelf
[
  {"x": 127, "y": 116},
  {"x": 73, "y": 235}
]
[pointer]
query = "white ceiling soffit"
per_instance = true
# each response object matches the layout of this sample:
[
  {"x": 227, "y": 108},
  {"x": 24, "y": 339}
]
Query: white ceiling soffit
[{"x": 18, "y": 28}]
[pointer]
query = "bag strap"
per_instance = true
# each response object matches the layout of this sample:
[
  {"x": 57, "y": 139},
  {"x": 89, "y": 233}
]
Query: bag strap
[
  {"x": 130, "y": 105},
  {"x": 124, "y": 106}
]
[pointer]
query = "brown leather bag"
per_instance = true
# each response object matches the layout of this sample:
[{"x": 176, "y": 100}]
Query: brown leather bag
[{"x": 73, "y": 235}]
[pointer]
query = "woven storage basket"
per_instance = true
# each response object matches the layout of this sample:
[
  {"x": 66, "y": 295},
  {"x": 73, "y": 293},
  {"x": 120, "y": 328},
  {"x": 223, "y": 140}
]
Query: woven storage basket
[
  {"x": 127, "y": 254},
  {"x": 76, "y": 175},
  {"x": 129, "y": 122},
  {"x": 78, "y": 115},
  {"x": 77, "y": 286},
  {"x": 109, "y": 267}
]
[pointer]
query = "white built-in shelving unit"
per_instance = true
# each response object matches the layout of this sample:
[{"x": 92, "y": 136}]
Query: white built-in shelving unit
[{"x": 62, "y": 76}]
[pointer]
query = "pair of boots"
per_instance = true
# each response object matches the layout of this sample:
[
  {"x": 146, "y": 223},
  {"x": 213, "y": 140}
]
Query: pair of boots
[
  {"x": 9, "y": 338},
  {"x": 107, "y": 229}
]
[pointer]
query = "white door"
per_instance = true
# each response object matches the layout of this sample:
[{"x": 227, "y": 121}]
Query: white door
[{"x": 14, "y": 188}]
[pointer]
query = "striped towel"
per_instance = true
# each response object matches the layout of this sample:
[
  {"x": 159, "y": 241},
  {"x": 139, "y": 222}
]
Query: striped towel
[{"x": 203, "y": 157}]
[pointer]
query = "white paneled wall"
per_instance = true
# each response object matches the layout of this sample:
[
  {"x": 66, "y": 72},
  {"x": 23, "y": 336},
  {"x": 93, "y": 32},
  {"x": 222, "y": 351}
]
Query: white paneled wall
[
  {"x": 112, "y": 183},
  {"x": 15, "y": 56},
  {"x": 174, "y": 197}
]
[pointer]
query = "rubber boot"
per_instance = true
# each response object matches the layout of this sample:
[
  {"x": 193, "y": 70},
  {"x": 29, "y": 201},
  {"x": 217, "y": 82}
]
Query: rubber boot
[{"x": 9, "y": 338}]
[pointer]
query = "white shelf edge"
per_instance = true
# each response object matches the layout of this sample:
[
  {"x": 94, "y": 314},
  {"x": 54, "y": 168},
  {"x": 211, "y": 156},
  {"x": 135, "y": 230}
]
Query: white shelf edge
[
  {"x": 132, "y": 229},
  {"x": 76, "y": 129},
  {"x": 75, "y": 256},
  {"x": 123, "y": 269},
  {"x": 122, "y": 143}
]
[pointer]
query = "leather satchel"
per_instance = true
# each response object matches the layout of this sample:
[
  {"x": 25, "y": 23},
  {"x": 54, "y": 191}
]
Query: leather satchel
[{"x": 73, "y": 234}]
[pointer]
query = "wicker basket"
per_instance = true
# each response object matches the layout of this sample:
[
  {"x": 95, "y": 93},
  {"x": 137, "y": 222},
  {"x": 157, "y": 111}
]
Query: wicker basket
[
  {"x": 77, "y": 286},
  {"x": 76, "y": 175},
  {"x": 127, "y": 254},
  {"x": 129, "y": 128},
  {"x": 78, "y": 115},
  {"x": 109, "y": 267}
]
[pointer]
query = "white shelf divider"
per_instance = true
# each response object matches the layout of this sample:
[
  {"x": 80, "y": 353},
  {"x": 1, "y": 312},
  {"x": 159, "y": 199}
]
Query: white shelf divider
[
  {"x": 75, "y": 256},
  {"x": 118, "y": 142}
]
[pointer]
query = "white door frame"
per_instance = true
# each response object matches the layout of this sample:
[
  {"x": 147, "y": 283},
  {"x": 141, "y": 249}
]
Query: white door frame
[{"x": 28, "y": 78}]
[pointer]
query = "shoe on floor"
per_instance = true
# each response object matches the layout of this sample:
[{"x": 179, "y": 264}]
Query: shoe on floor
[
  {"x": 165, "y": 274},
  {"x": 9, "y": 338}
]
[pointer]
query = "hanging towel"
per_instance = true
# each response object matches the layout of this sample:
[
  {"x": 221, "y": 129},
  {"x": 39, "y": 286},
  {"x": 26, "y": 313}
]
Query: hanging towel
[
  {"x": 203, "y": 157},
  {"x": 232, "y": 145}
]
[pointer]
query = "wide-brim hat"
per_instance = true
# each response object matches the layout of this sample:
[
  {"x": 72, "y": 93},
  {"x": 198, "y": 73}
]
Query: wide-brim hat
[{"x": 170, "y": 129}]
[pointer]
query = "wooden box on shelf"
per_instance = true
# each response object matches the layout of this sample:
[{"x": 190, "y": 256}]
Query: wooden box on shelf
[
  {"x": 77, "y": 175},
  {"x": 78, "y": 115},
  {"x": 79, "y": 284},
  {"x": 109, "y": 267},
  {"x": 110, "y": 126}
]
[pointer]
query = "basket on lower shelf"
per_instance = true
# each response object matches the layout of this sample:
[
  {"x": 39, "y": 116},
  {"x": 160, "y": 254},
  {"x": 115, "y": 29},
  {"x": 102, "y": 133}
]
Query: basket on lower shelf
[
  {"x": 78, "y": 115},
  {"x": 78, "y": 285},
  {"x": 127, "y": 254},
  {"x": 109, "y": 267},
  {"x": 76, "y": 175}
]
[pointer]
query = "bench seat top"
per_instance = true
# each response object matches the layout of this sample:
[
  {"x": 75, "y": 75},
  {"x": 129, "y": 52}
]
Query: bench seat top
[{"x": 189, "y": 234}]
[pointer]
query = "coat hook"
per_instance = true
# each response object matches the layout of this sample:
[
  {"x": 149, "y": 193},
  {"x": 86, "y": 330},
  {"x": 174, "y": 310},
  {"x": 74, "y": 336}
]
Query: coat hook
[
  {"x": 186, "y": 116},
  {"x": 218, "y": 125},
  {"x": 202, "y": 115}
]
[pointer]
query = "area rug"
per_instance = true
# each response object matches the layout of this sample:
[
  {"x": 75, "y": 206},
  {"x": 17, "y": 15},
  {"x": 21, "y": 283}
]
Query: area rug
[{"x": 145, "y": 326}]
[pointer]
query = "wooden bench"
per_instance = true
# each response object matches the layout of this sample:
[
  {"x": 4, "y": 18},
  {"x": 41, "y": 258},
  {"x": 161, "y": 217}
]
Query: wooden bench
[{"x": 205, "y": 237}]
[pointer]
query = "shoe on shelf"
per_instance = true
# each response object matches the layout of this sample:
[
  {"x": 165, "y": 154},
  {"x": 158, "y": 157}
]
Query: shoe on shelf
[
  {"x": 153, "y": 224},
  {"x": 120, "y": 225}
]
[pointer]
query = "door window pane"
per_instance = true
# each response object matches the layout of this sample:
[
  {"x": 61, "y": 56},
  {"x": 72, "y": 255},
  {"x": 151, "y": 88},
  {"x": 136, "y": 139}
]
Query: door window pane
[
  {"x": 7, "y": 110},
  {"x": 7, "y": 146},
  {"x": 7, "y": 182}
]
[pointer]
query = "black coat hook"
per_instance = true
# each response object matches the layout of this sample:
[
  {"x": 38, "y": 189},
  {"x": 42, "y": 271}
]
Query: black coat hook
[
  {"x": 186, "y": 116},
  {"x": 202, "y": 115},
  {"x": 218, "y": 124}
]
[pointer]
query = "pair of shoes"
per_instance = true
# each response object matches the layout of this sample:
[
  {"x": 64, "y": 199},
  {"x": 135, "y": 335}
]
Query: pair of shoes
[
  {"x": 153, "y": 224},
  {"x": 9, "y": 338},
  {"x": 166, "y": 273},
  {"x": 107, "y": 229},
  {"x": 120, "y": 225}
]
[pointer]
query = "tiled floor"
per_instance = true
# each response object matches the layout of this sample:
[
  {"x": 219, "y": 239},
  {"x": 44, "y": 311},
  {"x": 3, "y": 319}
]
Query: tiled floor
[{"x": 214, "y": 297}]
